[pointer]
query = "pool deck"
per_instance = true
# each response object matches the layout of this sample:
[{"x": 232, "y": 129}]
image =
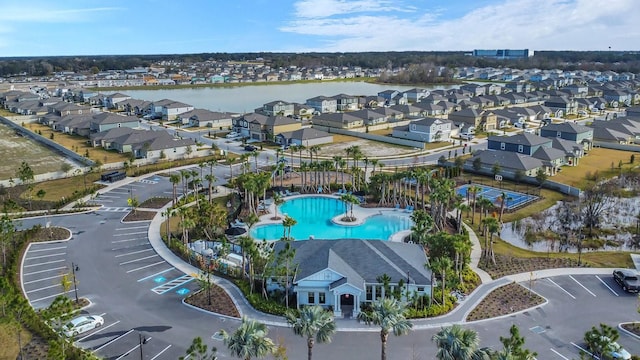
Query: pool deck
[{"x": 360, "y": 213}]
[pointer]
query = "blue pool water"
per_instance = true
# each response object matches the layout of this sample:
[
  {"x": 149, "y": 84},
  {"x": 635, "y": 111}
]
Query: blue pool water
[{"x": 314, "y": 215}]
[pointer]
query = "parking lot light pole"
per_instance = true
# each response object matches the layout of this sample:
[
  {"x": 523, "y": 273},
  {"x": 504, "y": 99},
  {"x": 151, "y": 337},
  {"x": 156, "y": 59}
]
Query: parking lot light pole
[
  {"x": 142, "y": 341},
  {"x": 75, "y": 283}
]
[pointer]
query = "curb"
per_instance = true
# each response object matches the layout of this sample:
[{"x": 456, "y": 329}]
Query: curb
[
  {"x": 545, "y": 302},
  {"x": 627, "y": 331}
]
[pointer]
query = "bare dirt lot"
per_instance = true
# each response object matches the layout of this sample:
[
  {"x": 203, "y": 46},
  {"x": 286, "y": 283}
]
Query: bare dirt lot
[
  {"x": 368, "y": 147},
  {"x": 14, "y": 149}
]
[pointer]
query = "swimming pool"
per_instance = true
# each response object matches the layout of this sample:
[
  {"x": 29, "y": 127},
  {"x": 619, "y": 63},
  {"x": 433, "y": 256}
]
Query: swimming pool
[
  {"x": 514, "y": 199},
  {"x": 314, "y": 215}
]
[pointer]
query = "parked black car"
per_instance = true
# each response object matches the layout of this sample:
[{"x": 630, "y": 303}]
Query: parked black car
[
  {"x": 627, "y": 279},
  {"x": 250, "y": 148}
]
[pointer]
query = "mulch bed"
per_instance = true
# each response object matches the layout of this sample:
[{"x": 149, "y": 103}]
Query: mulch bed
[
  {"x": 51, "y": 234},
  {"x": 221, "y": 303},
  {"x": 155, "y": 202},
  {"x": 507, "y": 265},
  {"x": 633, "y": 327},
  {"x": 505, "y": 300},
  {"x": 139, "y": 215}
]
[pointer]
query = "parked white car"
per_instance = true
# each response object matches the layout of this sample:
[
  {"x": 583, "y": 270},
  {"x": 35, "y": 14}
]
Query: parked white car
[
  {"x": 82, "y": 324},
  {"x": 232, "y": 135}
]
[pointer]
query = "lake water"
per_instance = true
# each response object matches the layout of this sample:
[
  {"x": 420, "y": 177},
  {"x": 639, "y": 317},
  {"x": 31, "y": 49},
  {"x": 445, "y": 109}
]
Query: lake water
[{"x": 246, "y": 98}]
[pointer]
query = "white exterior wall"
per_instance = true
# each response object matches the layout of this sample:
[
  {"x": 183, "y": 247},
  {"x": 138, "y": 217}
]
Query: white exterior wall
[{"x": 172, "y": 113}]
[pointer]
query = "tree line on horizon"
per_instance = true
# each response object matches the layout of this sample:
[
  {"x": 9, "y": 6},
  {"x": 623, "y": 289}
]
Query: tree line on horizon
[{"x": 619, "y": 61}]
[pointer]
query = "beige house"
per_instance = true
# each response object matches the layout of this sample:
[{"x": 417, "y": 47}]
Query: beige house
[
  {"x": 262, "y": 129},
  {"x": 477, "y": 119}
]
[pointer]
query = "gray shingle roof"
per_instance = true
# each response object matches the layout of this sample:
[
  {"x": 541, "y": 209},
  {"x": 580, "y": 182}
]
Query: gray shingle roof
[
  {"x": 522, "y": 139},
  {"x": 506, "y": 159},
  {"x": 567, "y": 127}
]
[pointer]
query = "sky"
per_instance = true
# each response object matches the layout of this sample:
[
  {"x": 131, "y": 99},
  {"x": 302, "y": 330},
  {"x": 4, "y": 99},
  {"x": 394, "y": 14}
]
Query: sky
[{"x": 117, "y": 27}]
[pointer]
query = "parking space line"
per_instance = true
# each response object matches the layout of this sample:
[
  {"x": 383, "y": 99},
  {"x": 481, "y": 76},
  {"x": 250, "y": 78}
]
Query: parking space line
[
  {"x": 48, "y": 249},
  {"x": 42, "y": 288},
  {"x": 127, "y": 240},
  {"x": 139, "y": 259},
  {"x": 584, "y": 287},
  {"x": 130, "y": 246},
  {"x": 51, "y": 296},
  {"x": 97, "y": 331},
  {"x": 103, "y": 200},
  {"x": 608, "y": 287},
  {"x": 45, "y": 263},
  {"x": 133, "y": 349},
  {"x": 44, "y": 256},
  {"x": 132, "y": 233},
  {"x": 562, "y": 356},
  {"x": 133, "y": 227},
  {"x": 43, "y": 279},
  {"x": 160, "y": 353},
  {"x": 42, "y": 271},
  {"x": 561, "y": 288},
  {"x": 146, "y": 266},
  {"x": 585, "y": 350},
  {"x": 154, "y": 275},
  {"x": 107, "y": 196},
  {"x": 135, "y": 252},
  {"x": 117, "y": 338}
]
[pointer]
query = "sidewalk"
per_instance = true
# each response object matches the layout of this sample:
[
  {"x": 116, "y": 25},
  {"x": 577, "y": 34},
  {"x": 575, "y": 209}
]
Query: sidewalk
[{"x": 456, "y": 316}]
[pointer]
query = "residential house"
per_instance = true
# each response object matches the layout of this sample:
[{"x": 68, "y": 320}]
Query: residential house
[
  {"x": 561, "y": 106},
  {"x": 105, "y": 121},
  {"x": 262, "y": 129},
  {"x": 346, "y": 102},
  {"x": 73, "y": 124},
  {"x": 621, "y": 130},
  {"x": 147, "y": 144},
  {"x": 429, "y": 109},
  {"x": 415, "y": 95},
  {"x": 369, "y": 117},
  {"x": 475, "y": 119},
  {"x": 339, "y": 121},
  {"x": 323, "y": 104},
  {"x": 426, "y": 130},
  {"x": 170, "y": 111},
  {"x": 64, "y": 108},
  {"x": 302, "y": 111},
  {"x": 111, "y": 101},
  {"x": 407, "y": 110},
  {"x": 306, "y": 137},
  {"x": 278, "y": 107},
  {"x": 241, "y": 124},
  {"x": 510, "y": 163},
  {"x": 577, "y": 133},
  {"x": 206, "y": 118},
  {"x": 474, "y": 89},
  {"x": 343, "y": 274},
  {"x": 524, "y": 143},
  {"x": 390, "y": 96}
]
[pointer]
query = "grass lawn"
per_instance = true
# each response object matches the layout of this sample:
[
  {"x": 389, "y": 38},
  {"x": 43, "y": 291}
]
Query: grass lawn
[
  {"x": 9, "y": 341},
  {"x": 79, "y": 144},
  {"x": 339, "y": 138},
  {"x": 436, "y": 145},
  {"x": 383, "y": 132},
  {"x": 599, "y": 160},
  {"x": 56, "y": 189}
]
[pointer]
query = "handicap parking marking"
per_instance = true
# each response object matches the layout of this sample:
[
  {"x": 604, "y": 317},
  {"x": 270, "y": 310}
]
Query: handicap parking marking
[
  {"x": 561, "y": 288},
  {"x": 172, "y": 284},
  {"x": 183, "y": 291},
  {"x": 608, "y": 287},
  {"x": 584, "y": 287},
  {"x": 155, "y": 275}
]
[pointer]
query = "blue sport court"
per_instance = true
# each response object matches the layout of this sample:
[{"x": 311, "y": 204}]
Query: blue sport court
[{"x": 514, "y": 199}]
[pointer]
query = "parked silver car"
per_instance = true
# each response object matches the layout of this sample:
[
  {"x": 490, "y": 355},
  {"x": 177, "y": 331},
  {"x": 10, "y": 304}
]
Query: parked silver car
[{"x": 82, "y": 324}]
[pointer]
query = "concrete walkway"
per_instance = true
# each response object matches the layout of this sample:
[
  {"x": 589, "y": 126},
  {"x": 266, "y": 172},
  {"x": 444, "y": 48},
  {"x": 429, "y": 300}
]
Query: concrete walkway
[{"x": 456, "y": 316}]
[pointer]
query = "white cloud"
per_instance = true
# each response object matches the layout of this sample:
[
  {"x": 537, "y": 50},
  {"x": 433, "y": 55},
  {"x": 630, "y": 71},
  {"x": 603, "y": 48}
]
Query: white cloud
[
  {"x": 325, "y": 8},
  {"x": 47, "y": 14},
  {"x": 533, "y": 24}
]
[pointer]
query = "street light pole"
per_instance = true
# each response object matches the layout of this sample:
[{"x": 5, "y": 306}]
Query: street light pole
[
  {"x": 75, "y": 283},
  {"x": 142, "y": 341}
]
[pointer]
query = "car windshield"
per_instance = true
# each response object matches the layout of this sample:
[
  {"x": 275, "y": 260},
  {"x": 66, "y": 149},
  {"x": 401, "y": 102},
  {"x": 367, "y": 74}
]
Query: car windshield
[{"x": 632, "y": 278}]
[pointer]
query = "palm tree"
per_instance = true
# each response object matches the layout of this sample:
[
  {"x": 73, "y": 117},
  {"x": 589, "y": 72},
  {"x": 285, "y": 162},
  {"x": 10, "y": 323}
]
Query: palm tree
[
  {"x": 388, "y": 313},
  {"x": 277, "y": 201},
  {"x": 504, "y": 200},
  {"x": 441, "y": 265},
  {"x": 314, "y": 323},
  {"x": 288, "y": 223},
  {"x": 422, "y": 224},
  {"x": 457, "y": 343},
  {"x": 249, "y": 340},
  {"x": 210, "y": 181},
  {"x": 349, "y": 200},
  {"x": 174, "y": 179}
]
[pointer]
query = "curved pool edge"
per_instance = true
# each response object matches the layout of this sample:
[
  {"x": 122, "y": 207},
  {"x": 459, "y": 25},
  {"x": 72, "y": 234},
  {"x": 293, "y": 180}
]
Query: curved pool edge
[{"x": 362, "y": 214}]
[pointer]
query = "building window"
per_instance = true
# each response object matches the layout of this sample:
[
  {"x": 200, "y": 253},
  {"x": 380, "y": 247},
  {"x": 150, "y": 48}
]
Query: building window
[
  {"x": 378, "y": 292},
  {"x": 311, "y": 298},
  {"x": 321, "y": 298},
  {"x": 502, "y": 146},
  {"x": 520, "y": 148},
  {"x": 369, "y": 293},
  {"x": 420, "y": 288}
]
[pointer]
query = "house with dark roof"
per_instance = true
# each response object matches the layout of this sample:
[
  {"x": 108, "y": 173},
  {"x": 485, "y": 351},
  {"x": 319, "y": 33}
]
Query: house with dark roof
[
  {"x": 338, "y": 120},
  {"x": 524, "y": 143},
  {"x": 262, "y": 129},
  {"x": 426, "y": 130},
  {"x": 561, "y": 105},
  {"x": 143, "y": 143},
  {"x": 323, "y": 104},
  {"x": 621, "y": 130},
  {"x": 278, "y": 107},
  {"x": 577, "y": 133},
  {"x": 346, "y": 102},
  {"x": 305, "y": 136},
  {"x": 343, "y": 274},
  {"x": 111, "y": 101},
  {"x": 510, "y": 162},
  {"x": 475, "y": 119},
  {"x": 106, "y": 120},
  {"x": 206, "y": 118}
]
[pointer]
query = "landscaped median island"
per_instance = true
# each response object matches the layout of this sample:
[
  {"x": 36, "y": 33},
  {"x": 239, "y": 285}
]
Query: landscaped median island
[{"x": 507, "y": 299}]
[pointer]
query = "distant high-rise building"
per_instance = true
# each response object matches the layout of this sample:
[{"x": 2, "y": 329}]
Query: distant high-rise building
[{"x": 504, "y": 53}]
